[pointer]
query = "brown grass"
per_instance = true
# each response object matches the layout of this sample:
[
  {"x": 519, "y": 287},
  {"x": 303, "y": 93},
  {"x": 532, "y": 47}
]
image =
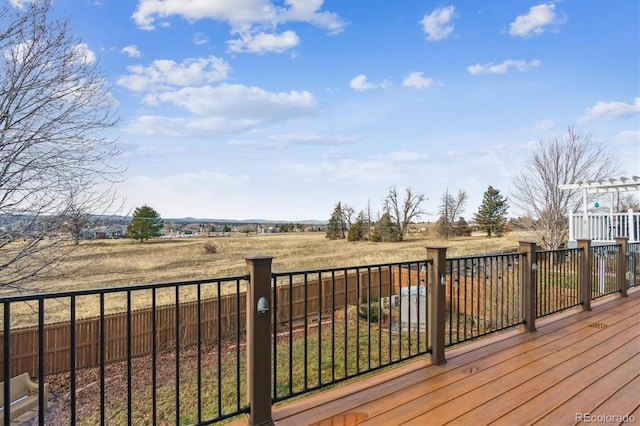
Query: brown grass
[
  {"x": 123, "y": 262},
  {"x": 112, "y": 263}
]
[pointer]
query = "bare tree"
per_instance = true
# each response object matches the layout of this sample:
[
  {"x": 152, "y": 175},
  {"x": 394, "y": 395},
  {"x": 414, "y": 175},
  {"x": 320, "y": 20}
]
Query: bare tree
[
  {"x": 402, "y": 212},
  {"x": 86, "y": 206},
  {"x": 348, "y": 215},
  {"x": 54, "y": 110},
  {"x": 451, "y": 209},
  {"x": 626, "y": 202},
  {"x": 573, "y": 158}
]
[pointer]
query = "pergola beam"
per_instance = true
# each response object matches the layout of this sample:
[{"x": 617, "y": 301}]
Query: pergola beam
[{"x": 604, "y": 186}]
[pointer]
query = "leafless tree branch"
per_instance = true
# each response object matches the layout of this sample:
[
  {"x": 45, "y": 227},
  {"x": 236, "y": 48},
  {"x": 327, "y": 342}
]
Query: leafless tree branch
[
  {"x": 573, "y": 158},
  {"x": 55, "y": 109}
]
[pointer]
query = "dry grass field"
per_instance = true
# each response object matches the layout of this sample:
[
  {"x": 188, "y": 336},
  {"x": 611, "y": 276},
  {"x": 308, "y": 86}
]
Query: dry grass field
[
  {"x": 123, "y": 262},
  {"x": 113, "y": 263}
]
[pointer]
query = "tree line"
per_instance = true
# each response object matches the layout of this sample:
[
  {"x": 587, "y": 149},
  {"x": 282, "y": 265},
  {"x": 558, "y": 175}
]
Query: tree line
[{"x": 400, "y": 211}]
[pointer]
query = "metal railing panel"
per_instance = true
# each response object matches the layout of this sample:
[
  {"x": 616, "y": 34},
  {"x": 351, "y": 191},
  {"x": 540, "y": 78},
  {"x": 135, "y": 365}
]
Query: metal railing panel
[
  {"x": 334, "y": 324},
  {"x": 557, "y": 280},
  {"x": 603, "y": 275},
  {"x": 633, "y": 255},
  {"x": 176, "y": 361},
  {"x": 483, "y": 296}
]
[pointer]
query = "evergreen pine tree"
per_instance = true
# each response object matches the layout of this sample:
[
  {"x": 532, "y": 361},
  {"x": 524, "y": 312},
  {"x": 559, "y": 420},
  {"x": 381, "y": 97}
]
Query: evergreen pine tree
[
  {"x": 146, "y": 223},
  {"x": 358, "y": 231},
  {"x": 336, "y": 227},
  {"x": 492, "y": 213}
]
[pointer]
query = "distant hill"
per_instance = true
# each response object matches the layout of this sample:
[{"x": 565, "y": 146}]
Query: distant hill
[
  {"x": 117, "y": 219},
  {"x": 241, "y": 222}
]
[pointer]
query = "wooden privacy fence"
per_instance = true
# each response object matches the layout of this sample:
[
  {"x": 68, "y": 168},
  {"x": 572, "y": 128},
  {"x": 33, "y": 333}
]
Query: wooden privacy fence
[
  {"x": 23, "y": 342},
  {"x": 336, "y": 290},
  {"x": 329, "y": 292}
]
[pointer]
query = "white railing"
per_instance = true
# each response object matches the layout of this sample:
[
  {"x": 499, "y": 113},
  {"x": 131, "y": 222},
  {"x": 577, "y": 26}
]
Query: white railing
[{"x": 604, "y": 226}]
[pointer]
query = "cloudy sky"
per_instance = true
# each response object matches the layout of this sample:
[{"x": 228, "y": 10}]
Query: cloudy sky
[{"x": 279, "y": 109}]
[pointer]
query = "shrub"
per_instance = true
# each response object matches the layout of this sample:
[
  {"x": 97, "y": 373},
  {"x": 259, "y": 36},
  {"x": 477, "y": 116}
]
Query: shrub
[
  {"x": 210, "y": 248},
  {"x": 374, "y": 311}
]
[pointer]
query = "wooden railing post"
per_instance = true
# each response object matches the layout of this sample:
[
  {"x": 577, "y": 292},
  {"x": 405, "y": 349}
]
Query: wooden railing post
[
  {"x": 259, "y": 339},
  {"x": 528, "y": 268},
  {"x": 622, "y": 266},
  {"x": 584, "y": 284},
  {"x": 436, "y": 302}
]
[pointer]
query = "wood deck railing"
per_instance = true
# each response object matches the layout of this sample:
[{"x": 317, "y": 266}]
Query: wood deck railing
[{"x": 436, "y": 281}]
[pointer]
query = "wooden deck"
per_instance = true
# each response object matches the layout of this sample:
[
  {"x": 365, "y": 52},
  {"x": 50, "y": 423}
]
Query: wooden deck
[{"x": 575, "y": 364}]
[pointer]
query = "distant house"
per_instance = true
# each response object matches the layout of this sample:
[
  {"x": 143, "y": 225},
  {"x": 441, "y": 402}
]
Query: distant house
[{"x": 110, "y": 232}]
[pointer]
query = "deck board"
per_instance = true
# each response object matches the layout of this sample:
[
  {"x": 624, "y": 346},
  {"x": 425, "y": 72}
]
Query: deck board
[
  {"x": 480, "y": 388},
  {"x": 625, "y": 399},
  {"x": 484, "y": 397},
  {"x": 595, "y": 393},
  {"x": 512, "y": 397},
  {"x": 576, "y": 362}
]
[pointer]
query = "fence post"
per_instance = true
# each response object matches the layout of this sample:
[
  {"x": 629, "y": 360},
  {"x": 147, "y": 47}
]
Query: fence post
[
  {"x": 437, "y": 300},
  {"x": 622, "y": 266},
  {"x": 528, "y": 279},
  {"x": 259, "y": 339},
  {"x": 584, "y": 284}
]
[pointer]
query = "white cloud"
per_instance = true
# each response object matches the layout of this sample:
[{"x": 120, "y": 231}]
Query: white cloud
[
  {"x": 236, "y": 100},
  {"x": 83, "y": 54},
  {"x": 628, "y": 143},
  {"x": 313, "y": 139},
  {"x": 255, "y": 21},
  {"x": 346, "y": 169},
  {"x": 417, "y": 80},
  {"x": 165, "y": 73},
  {"x": 545, "y": 125},
  {"x": 386, "y": 167},
  {"x": 200, "y": 38},
  {"x": 437, "y": 25},
  {"x": 264, "y": 42},
  {"x": 629, "y": 136},
  {"x": 309, "y": 11},
  {"x": 132, "y": 51},
  {"x": 20, "y": 52},
  {"x": 18, "y": 4},
  {"x": 286, "y": 140},
  {"x": 336, "y": 154},
  {"x": 224, "y": 109},
  {"x": 535, "y": 22},
  {"x": 502, "y": 68},
  {"x": 361, "y": 84},
  {"x": 610, "y": 111},
  {"x": 236, "y": 13},
  {"x": 405, "y": 156},
  {"x": 186, "y": 192}
]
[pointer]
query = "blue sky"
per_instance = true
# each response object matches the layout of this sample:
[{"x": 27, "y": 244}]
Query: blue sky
[{"x": 279, "y": 109}]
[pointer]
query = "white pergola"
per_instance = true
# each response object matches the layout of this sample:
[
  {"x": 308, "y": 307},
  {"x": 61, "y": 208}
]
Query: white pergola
[
  {"x": 604, "y": 186},
  {"x": 604, "y": 227}
]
